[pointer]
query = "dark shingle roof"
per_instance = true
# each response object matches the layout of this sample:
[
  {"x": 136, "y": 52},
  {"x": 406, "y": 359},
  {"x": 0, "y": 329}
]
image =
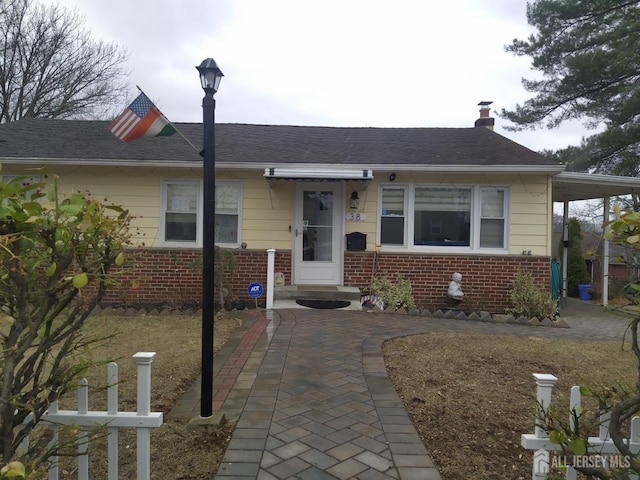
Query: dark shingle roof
[{"x": 269, "y": 144}]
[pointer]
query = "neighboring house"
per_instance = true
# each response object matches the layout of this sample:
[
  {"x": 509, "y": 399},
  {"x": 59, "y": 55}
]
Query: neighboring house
[{"x": 431, "y": 201}]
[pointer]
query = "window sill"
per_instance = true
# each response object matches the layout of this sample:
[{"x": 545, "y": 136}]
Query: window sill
[{"x": 444, "y": 250}]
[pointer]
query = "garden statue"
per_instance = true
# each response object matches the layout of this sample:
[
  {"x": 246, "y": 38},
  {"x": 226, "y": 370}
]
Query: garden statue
[{"x": 455, "y": 289}]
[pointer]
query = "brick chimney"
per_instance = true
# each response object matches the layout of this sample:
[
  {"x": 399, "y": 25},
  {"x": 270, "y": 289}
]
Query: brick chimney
[{"x": 485, "y": 120}]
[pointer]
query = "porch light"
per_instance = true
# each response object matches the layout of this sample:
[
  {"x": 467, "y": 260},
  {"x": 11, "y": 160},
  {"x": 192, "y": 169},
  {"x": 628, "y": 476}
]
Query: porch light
[{"x": 355, "y": 200}]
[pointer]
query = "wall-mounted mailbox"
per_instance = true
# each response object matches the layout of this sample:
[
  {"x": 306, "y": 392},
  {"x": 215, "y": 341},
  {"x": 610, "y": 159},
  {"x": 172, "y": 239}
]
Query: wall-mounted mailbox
[{"x": 356, "y": 241}]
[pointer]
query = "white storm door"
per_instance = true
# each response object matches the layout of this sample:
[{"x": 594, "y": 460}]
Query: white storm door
[{"x": 317, "y": 233}]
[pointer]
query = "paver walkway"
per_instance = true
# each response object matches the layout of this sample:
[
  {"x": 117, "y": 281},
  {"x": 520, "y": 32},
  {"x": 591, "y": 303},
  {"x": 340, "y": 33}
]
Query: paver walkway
[{"x": 313, "y": 401}]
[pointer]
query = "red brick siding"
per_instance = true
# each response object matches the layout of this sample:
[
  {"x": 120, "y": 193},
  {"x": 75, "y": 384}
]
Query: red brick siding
[
  {"x": 151, "y": 276},
  {"x": 486, "y": 281},
  {"x": 173, "y": 277}
]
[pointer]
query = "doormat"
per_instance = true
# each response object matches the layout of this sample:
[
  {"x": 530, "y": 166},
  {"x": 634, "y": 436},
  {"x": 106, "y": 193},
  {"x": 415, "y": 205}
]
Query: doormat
[{"x": 325, "y": 304}]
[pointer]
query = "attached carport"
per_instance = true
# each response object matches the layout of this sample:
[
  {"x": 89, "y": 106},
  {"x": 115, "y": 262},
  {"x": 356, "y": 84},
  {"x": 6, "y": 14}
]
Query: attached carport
[{"x": 570, "y": 187}]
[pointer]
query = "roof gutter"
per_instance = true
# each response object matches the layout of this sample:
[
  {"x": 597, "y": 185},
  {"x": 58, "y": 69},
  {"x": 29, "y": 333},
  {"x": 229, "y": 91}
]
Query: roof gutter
[
  {"x": 595, "y": 179},
  {"x": 535, "y": 169},
  {"x": 510, "y": 169},
  {"x": 101, "y": 162}
]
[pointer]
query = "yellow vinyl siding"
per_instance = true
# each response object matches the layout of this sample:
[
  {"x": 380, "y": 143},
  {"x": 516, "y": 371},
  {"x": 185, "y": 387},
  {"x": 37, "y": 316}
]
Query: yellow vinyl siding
[
  {"x": 267, "y": 211},
  {"x": 138, "y": 190},
  {"x": 368, "y": 205},
  {"x": 530, "y": 215}
]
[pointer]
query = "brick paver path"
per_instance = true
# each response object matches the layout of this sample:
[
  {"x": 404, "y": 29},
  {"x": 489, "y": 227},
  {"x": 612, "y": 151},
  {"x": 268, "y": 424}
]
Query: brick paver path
[{"x": 313, "y": 401}]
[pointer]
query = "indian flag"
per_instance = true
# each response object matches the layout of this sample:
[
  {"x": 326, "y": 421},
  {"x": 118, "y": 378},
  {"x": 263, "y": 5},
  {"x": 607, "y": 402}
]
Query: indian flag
[{"x": 141, "y": 119}]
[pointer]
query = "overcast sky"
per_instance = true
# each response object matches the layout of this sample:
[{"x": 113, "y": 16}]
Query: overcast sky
[{"x": 345, "y": 63}]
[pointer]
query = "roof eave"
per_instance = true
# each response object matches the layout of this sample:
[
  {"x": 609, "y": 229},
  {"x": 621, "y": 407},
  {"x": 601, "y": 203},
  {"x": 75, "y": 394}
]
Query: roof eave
[{"x": 528, "y": 169}]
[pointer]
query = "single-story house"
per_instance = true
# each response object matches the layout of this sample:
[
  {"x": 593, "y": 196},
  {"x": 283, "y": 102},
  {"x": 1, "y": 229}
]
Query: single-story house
[{"x": 338, "y": 205}]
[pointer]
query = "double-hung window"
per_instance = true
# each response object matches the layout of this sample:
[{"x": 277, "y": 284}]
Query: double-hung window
[
  {"x": 392, "y": 218},
  {"x": 435, "y": 217},
  {"x": 492, "y": 218},
  {"x": 182, "y": 213},
  {"x": 228, "y": 199}
]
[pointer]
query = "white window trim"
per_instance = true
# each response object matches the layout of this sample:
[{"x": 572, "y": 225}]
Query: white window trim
[
  {"x": 476, "y": 194},
  {"x": 199, "y": 213}
]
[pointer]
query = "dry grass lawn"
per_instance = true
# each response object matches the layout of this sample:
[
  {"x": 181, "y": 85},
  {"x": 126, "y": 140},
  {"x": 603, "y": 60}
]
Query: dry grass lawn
[
  {"x": 177, "y": 452},
  {"x": 470, "y": 396}
]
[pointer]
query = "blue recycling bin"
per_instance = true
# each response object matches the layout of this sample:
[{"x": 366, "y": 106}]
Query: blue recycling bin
[{"x": 582, "y": 288}]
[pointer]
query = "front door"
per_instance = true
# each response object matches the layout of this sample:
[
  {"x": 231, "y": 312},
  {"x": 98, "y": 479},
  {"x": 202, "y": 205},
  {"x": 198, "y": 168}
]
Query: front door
[{"x": 317, "y": 233}]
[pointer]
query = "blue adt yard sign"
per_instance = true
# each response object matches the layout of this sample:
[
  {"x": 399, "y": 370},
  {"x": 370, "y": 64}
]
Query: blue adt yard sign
[{"x": 254, "y": 290}]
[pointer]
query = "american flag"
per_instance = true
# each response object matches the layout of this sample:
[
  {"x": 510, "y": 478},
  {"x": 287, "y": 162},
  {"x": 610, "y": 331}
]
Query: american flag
[{"x": 141, "y": 119}]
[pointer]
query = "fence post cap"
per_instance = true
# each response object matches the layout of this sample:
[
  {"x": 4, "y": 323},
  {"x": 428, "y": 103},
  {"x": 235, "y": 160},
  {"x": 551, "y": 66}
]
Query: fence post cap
[
  {"x": 143, "y": 357},
  {"x": 545, "y": 378}
]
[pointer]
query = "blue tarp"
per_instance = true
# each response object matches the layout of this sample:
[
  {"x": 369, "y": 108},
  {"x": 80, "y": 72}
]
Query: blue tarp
[{"x": 555, "y": 282}]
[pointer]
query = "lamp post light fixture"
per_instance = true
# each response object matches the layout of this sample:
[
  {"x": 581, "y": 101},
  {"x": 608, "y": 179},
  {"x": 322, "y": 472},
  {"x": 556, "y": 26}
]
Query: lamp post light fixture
[{"x": 210, "y": 76}]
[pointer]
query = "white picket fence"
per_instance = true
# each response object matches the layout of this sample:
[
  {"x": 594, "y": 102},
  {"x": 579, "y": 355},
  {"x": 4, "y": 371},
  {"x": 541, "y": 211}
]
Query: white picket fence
[
  {"x": 143, "y": 420},
  {"x": 601, "y": 446}
]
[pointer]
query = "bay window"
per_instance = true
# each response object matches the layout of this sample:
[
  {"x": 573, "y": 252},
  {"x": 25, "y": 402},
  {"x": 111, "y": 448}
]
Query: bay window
[{"x": 421, "y": 217}]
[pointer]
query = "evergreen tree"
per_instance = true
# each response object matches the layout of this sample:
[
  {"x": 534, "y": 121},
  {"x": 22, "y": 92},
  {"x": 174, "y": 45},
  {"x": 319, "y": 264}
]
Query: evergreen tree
[{"x": 587, "y": 52}]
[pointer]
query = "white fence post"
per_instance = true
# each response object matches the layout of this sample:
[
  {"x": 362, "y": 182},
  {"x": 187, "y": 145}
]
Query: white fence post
[
  {"x": 574, "y": 406},
  {"x": 601, "y": 445},
  {"x": 545, "y": 384},
  {"x": 143, "y": 361},
  {"x": 112, "y": 432},
  {"x": 53, "y": 463},
  {"x": 143, "y": 420},
  {"x": 83, "y": 436},
  {"x": 634, "y": 441}
]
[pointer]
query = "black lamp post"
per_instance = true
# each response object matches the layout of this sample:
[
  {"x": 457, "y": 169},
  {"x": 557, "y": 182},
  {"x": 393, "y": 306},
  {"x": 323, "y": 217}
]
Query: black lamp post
[{"x": 210, "y": 76}]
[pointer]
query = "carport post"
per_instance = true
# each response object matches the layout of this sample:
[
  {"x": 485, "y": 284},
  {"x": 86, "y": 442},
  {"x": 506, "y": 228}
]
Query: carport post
[
  {"x": 605, "y": 253},
  {"x": 271, "y": 278},
  {"x": 565, "y": 238}
]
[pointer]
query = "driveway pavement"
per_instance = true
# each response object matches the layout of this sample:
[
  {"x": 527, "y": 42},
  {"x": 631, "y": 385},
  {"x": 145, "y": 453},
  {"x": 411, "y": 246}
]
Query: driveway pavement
[{"x": 312, "y": 399}]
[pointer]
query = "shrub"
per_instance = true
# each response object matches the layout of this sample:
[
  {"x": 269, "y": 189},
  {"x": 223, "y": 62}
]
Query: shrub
[
  {"x": 529, "y": 300},
  {"x": 56, "y": 259},
  {"x": 398, "y": 294}
]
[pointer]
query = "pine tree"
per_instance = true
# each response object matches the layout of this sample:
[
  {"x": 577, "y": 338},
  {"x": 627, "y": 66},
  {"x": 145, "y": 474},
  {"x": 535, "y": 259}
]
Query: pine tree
[{"x": 587, "y": 52}]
